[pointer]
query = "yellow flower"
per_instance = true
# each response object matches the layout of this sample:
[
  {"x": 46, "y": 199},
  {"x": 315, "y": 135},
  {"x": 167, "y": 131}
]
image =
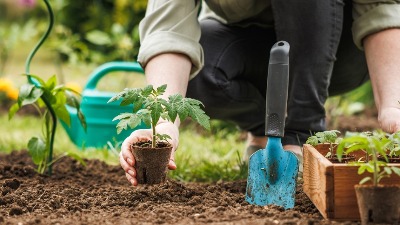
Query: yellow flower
[
  {"x": 5, "y": 84},
  {"x": 12, "y": 94},
  {"x": 74, "y": 86}
]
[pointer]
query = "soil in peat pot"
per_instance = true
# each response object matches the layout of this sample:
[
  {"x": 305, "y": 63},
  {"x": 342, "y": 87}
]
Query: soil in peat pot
[{"x": 100, "y": 194}]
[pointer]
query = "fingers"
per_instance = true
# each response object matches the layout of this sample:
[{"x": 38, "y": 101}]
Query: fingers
[
  {"x": 126, "y": 159},
  {"x": 171, "y": 164},
  {"x": 389, "y": 120},
  {"x": 131, "y": 179}
]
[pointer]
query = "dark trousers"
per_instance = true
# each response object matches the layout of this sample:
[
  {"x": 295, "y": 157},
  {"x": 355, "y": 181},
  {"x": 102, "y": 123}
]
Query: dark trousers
[{"x": 323, "y": 61}]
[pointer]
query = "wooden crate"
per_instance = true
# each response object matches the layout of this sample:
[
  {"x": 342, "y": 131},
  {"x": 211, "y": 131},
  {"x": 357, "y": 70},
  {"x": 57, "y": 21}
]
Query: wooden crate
[{"x": 330, "y": 186}]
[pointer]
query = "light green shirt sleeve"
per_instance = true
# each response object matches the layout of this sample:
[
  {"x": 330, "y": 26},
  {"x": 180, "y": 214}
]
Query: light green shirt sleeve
[
  {"x": 371, "y": 16},
  {"x": 171, "y": 26}
]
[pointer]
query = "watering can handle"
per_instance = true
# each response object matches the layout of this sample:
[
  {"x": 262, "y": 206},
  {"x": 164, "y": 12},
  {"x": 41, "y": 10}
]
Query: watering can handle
[
  {"x": 111, "y": 67},
  {"x": 277, "y": 89}
]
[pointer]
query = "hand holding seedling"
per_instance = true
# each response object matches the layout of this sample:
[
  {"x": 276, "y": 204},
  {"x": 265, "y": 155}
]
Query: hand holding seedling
[
  {"x": 159, "y": 114},
  {"x": 126, "y": 158}
]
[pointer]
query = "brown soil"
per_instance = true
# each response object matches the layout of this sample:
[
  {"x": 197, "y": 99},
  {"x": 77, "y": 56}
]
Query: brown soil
[{"x": 100, "y": 194}]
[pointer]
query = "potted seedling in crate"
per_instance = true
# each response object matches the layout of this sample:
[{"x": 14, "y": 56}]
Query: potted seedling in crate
[
  {"x": 330, "y": 185},
  {"x": 149, "y": 107},
  {"x": 377, "y": 202},
  {"x": 326, "y": 143}
]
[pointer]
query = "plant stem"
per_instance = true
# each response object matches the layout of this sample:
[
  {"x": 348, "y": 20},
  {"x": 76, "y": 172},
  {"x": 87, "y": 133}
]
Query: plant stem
[
  {"x": 153, "y": 142},
  {"x": 374, "y": 161},
  {"x": 33, "y": 81}
]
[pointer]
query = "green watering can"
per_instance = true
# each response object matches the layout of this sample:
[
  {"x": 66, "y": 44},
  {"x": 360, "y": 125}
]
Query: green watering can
[{"x": 98, "y": 113}]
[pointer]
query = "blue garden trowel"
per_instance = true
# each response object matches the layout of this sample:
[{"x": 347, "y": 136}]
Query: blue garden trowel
[{"x": 273, "y": 171}]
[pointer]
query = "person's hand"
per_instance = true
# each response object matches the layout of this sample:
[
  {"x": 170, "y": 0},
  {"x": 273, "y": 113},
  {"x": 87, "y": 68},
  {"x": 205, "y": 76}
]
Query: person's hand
[
  {"x": 389, "y": 119},
  {"x": 126, "y": 158}
]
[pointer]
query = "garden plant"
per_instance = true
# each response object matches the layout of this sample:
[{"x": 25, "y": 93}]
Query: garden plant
[
  {"x": 378, "y": 203},
  {"x": 329, "y": 137},
  {"x": 50, "y": 99},
  {"x": 149, "y": 107}
]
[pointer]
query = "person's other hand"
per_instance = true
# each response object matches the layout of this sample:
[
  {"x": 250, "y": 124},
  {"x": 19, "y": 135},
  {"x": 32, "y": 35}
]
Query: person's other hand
[
  {"x": 126, "y": 158},
  {"x": 389, "y": 119}
]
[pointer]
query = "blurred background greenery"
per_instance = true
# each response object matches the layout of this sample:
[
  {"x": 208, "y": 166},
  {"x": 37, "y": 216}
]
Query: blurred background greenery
[{"x": 92, "y": 32}]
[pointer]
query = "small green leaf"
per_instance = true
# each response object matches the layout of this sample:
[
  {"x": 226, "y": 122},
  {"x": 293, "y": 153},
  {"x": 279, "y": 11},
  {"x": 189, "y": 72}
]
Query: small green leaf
[
  {"x": 122, "y": 125},
  {"x": 396, "y": 170},
  {"x": 196, "y": 113},
  {"x": 163, "y": 137},
  {"x": 146, "y": 91},
  {"x": 364, "y": 180},
  {"x": 132, "y": 96},
  {"x": 138, "y": 105},
  {"x": 63, "y": 114},
  {"x": 126, "y": 119},
  {"x": 24, "y": 91},
  {"x": 161, "y": 89},
  {"x": 134, "y": 121},
  {"x": 118, "y": 96},
  {"x": 156, "y": 109},
  {"x": 51, "y": 82},
  {"x": 37, "y": 150},
  {"x": 122, "y": 116},
  {"x": 82, "y": 120},
  {"x": 312, "y": 140},
  {"x": 362, "y": 169},
  {"x": 387, "y": 170},
  {"x": 33, "y": 96},
  {"x": 13, "y": 109},
  {"x": 71, "y": 100}
]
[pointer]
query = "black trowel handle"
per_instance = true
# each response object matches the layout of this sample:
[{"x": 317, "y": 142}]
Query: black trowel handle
[{"x": 277, "y": 89}]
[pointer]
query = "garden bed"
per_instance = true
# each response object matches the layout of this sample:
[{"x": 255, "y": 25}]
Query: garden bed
[{"x": 100, "y": 194}]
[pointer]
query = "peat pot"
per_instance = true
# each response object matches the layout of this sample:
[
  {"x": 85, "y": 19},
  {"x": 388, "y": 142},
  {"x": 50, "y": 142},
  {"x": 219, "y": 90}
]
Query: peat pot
[
  {"x": 151, "y": 163},
  {"x": 378, "y": 204},
  {"x": 330, "y": 186}
]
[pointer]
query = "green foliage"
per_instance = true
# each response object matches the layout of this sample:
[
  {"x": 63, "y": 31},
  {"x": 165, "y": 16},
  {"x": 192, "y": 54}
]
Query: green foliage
[
  {"x": 329, "y": 136},
  {"x": 58, "y": 96},
  {"x": 13, "y": 34},
  {"x": 374, "y": 144},
  {"x": 149, "y": 107},
  {"x": 98, "y": 31},
  {"x": 394, "y": 145}
]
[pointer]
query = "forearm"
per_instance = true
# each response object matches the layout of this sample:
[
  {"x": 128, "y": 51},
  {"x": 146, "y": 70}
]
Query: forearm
[
  {"x": 171, "y": 69},
  {"x": 383, "y": 57}
]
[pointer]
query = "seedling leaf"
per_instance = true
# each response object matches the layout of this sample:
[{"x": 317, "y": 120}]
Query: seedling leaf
[
  {"x": 149, "y": 107},
  {"x": 365, "y": 179},
  {"x": 36, "y": 148},
  {"x": 13, "y": 110},
  {"x": 396, "y": 170}
]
